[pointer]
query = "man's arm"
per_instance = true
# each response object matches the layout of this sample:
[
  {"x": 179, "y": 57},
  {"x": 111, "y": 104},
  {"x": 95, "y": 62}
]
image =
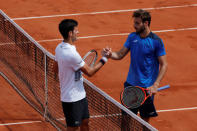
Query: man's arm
[
  {"x": 116, "y": 55},
  {"x": 163, "y": 68},
  {"x": 90, "y": 71}
]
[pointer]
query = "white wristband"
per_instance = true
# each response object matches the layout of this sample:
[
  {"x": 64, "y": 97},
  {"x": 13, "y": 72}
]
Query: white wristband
[{"x": 104, "y": 59}]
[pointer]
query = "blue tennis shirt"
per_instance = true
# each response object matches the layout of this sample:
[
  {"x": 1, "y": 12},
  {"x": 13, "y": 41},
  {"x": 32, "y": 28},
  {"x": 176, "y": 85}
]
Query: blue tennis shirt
[{"x": 144, "y": 64}]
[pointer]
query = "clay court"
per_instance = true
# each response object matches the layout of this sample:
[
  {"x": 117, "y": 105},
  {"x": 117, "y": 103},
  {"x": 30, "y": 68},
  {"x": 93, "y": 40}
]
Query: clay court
[{"x": 108, "y": 23}]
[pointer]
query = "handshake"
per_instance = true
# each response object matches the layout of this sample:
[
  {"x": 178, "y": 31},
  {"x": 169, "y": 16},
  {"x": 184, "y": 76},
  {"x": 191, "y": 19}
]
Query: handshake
[{"x": 106, "y": 52}]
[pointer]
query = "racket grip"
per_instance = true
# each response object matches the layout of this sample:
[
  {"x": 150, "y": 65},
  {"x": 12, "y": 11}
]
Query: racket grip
[{"x": 163, "y": 87}]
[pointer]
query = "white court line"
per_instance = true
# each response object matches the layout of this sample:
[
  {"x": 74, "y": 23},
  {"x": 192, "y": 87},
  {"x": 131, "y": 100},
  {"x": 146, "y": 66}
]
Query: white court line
[
  {"x": 96, "y": 36},
  {"x": 12, "y": 43},
  {"x": 169, "y": 110},
  {"x": 104, "y": 12},
  {"x": 8, "y": 43},
  {"x": 180, "y": 109},
  {"x": 19, "y": 123}
]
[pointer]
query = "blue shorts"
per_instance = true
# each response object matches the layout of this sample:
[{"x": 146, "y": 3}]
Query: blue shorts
[
  {"x": 75, "y": 112},
  {"x": 147, "y": 109}
]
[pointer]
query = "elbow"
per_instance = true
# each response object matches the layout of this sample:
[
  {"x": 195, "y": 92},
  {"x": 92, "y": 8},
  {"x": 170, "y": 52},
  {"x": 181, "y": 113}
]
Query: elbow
[
  {"x": 90, "y": 74},
  {"x": 165, "y": 66}
]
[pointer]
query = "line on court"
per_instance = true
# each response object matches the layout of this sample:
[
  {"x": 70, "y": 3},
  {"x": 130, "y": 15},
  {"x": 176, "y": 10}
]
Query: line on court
[
  {"x": 109, "y": 115},
  {"x": 104, "y": 12},
  {"x": 180, "y": 109},
  {"x": 96, "y": 36},
  {"x": 8, "y": 43},
  {"x": 19, "y": 123}
]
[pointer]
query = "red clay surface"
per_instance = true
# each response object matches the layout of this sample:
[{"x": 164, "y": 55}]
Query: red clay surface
[
  {"x": 181, "y": 50},
  {"x": 14, "y": 110}
]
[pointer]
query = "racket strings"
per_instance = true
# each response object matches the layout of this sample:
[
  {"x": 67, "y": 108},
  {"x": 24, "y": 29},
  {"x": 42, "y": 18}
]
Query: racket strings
[
  {"x": 90, "y": 59},
  {"x": 133, "y": 97}
]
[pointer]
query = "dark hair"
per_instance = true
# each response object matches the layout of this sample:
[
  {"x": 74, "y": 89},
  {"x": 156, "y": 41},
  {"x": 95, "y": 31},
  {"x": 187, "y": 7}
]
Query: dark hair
[
  {"x": 144, "y": 15},
  {"x": 66, "y": 26}
]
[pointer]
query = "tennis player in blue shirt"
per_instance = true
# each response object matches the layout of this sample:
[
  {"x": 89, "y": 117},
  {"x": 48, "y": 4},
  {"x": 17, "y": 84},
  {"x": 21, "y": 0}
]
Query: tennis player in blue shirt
[{"x": 148, "y": 60}]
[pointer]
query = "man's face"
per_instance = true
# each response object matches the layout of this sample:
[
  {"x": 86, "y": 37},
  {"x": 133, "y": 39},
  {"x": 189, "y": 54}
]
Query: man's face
[
  {"x": 138, "y": 25},
  {"x": 74, "y": 34}
]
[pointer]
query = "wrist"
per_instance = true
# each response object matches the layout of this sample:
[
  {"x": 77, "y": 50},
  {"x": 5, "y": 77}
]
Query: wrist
[
  {"x": 156, "y": 84},
  {"x": 103, "y": 60}
]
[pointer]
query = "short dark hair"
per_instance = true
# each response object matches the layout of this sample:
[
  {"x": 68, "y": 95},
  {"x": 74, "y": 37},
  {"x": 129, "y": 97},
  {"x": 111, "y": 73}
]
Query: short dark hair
[
  {"x": 66, "y": 26},
  {"x": 144, "y": 15}
]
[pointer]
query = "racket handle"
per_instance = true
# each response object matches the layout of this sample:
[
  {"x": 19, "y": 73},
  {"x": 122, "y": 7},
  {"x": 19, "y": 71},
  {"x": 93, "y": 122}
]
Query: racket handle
[{"x": 163, "y": 87}]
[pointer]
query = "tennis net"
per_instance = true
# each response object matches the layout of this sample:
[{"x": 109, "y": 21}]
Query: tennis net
[{"x": 27, "y": 66}]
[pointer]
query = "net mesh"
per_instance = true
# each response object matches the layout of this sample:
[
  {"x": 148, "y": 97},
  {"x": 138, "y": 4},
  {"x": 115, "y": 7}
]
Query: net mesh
[{"x": 28, "y": 66}]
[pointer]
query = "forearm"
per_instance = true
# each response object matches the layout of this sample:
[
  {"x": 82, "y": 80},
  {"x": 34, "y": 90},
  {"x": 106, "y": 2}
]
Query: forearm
[
  {"x": 115, "y": 56},
  {"x": 162, "y": 71},
  {"x": 90, "y": 71},
  {"x": 94, "y": 69},
  {"x": 161, "y": 74}
]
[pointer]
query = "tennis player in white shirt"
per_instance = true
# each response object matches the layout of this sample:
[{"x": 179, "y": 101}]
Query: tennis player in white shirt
[{"x": 70, "y": 66}]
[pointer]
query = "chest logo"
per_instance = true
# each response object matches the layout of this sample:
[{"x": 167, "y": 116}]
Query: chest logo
[{"x": 135, "y": 41}]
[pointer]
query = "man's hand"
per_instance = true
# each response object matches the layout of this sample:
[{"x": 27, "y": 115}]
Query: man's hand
[
  {"x": 107, "y": 52},
  {"x": 153, "y": 89}
]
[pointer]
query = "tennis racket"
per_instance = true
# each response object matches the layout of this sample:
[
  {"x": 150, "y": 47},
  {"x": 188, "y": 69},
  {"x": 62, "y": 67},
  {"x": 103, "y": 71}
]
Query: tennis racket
[
  {"x": 90, "y": 57},
  {"x": 134, "y": 96}
]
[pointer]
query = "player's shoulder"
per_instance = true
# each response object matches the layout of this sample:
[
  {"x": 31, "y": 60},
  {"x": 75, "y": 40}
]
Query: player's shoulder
[
  {"x": 57, "y": 48},
  {"x": 64, "y": 46},
  {"x": 154, "y": 36},
  {"x": 132, "y": 35}
]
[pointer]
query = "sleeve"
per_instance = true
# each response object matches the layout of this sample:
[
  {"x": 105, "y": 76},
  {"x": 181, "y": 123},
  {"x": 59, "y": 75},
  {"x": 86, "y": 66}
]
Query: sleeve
[
  {"x": 127, "y": 44},
  {"x": 160, "y": 49},
  {"x": 76, "y": 61}
]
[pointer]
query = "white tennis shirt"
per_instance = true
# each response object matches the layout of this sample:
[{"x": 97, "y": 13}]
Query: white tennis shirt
[{"x": 70, "y": 77}]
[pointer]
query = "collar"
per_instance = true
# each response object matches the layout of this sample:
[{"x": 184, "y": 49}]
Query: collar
[{"x": 65, "y": 44}]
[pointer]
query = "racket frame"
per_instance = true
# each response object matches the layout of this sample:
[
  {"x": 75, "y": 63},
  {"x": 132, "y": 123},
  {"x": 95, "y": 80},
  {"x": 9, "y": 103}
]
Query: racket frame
[
  {"x": 141, "y": 88},
  {"x": 95, "y": 59}
]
